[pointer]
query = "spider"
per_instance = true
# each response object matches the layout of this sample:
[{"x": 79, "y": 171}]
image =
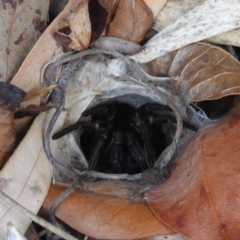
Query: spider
[{"x": 123, "y": 139}]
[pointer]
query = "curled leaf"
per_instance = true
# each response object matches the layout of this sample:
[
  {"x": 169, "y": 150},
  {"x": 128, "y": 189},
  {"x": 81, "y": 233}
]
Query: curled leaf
[
  {"x": 132, "y": 20},
  {"x": 75, "y": 31},
  {"x": 98, "y": 17},
  {"x": 209, "y": 71},
  {"x": 120, "y": 218},
  {"x": 201, "y": 197}
]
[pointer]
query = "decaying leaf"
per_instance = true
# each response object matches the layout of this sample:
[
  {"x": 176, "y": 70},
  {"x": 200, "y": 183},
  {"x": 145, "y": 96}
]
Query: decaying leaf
[
  {"x": 39, "y": 93},
  {"x": 229, "y": 38},
  {"x": 98, "y": 17},
  {"x": 205, "y": 20},
  {"x": 8, "y": 135},
  {"x": 132, "y": 20},
  {"x": 201, "y": 198},
  {"x": 26, "y": 177},
  {"x": 10, "y": 98},
  {"x": 174, "y": 9},
  {"x": 156, "y": 6},
  {"x": 120, "y": 218},
  {"x": 22, "y": 22},
  {"x": 28, "y": 76},
  {"x": 210, "y": 71},
  {"x": 75, "y": 31},
  {"x": 85, "y": 25}
]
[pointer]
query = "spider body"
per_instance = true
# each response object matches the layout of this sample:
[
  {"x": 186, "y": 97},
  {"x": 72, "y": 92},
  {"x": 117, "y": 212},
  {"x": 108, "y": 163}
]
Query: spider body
[{"x": 120, "y": 138}]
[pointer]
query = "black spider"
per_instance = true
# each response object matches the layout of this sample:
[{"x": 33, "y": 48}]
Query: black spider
[{"x": 122, "y": 139}]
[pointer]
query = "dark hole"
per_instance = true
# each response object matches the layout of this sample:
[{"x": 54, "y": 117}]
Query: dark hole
[
  {"x": 215, "y": 109},
  {"x": 127, "y": 139}
]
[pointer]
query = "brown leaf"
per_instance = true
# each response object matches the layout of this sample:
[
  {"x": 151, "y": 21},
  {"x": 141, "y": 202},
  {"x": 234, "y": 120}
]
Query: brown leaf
[
  {"x": 120, "y": 218},
  {"x": 22, "y": 22},
  {"x": 21, "y": 126},
  {"x": 201, "y": 198},
  {"x": 132, "y": 20},
  {"x": 8, "y": 135},
  {"x": 75, "y": 31},
  {"x": 98, "y": 17},
  {"x": 210, "y": 72},
  {"x": 31, "y": 110},
  {"x": 28, "y": 76},
  {"x": 10, "y": 98}
]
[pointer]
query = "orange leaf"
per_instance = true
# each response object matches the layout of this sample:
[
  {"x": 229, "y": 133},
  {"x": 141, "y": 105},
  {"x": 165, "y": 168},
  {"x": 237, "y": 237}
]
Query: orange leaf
[
  {"x": 132, "y": 20},
  {"x": 106, "y": 216},
  {"x": 201, "y": 199}
]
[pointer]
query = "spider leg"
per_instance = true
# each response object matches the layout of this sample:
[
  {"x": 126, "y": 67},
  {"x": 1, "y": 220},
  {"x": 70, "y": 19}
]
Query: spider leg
[
  {"x": 154, "y": 108},
  {"x": 95, "y": 110},
  {"x": 136, "y": 149},
  {"x": 97, "y": 150},
  {"x": 141, "y": 127},
  {"x": 116, "y": 152},
  {"x": 168, "y": 118},
  {"x": 85, "y": 125}
]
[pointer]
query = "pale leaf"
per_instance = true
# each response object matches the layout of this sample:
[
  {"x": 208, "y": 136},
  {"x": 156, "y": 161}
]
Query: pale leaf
[
  {"x": 205, "y": 20},
  {"x": 22, "y": 22},
  {"x": 28, "y": 76},
  {"x": 26, "y": 177},
  {"x": 174, "y": 9},
  {"x": 229, "y": 38},
  {"x": 156, "y": 6}
]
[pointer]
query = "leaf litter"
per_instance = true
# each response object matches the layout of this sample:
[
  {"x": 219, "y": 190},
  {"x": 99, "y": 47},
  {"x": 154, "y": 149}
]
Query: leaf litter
[
  {"x": 86, "y": 101},
  {"x": 23, "y": 22}
]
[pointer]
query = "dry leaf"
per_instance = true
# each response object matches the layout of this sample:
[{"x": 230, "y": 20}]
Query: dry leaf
[
  {"x": 39, "y": 93},
  {"x": 75, "y": 31},
  {"x": 22, "y": 22},
  {"x": 28, "y": 76},
  {"x": 201, "y": 199},
  {"x": 210, "y": 72},
  {"x": 200, "y": 23},
  {"x": 10, "y": 98},
  {"x": 132, "y": 20},
  {"x": 156, "y": 6},
  {"x": 26, "y": 177},
  {"x": 8, "y": 135},
  {"x": 120, "y": 218},
  {"x": 229, "y": 38},
  {"x": 83, "y": 26},
  {"x": 21, "y": 126},
  {"x": 98, "y": 17},
  {"x": 13, "y": 233},
  {"x": 175, "y": 9}
]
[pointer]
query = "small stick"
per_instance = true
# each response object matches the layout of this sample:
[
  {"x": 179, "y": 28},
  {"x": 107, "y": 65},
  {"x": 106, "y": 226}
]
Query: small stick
[{"x": 11, "y": 203}]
